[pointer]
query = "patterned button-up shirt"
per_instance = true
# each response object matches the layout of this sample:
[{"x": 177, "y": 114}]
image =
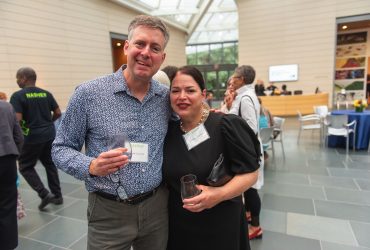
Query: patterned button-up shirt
[{"x": 105, "y": 106}]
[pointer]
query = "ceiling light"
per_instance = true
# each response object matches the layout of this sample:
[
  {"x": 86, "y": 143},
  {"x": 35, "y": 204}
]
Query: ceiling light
[
  {"x": 344, "y": 27},
  {"x": 118, "y": 44}
]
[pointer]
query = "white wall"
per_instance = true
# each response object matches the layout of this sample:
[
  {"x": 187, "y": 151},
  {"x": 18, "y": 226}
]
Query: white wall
[
  {"x": 65, "y": 41},
  {"x": 273, "y": 32}
]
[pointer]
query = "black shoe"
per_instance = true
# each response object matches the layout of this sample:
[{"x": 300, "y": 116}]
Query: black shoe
[
  {"x": 45, "y": 201},
  {"x": 57, "y": 200}
]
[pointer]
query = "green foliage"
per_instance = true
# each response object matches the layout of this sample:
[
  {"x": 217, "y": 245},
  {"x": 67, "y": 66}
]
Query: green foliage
[{"x": 214, "y": 54}]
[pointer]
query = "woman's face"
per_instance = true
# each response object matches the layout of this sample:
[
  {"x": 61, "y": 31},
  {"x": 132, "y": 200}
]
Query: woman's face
[{"x": 186, "y": 96}]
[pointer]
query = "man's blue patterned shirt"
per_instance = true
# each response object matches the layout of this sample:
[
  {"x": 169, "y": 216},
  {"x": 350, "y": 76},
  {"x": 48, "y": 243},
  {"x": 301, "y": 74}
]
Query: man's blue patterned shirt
[{"x": 103, "y": 107}]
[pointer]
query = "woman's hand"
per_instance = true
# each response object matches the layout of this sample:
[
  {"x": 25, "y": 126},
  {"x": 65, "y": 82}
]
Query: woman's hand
[{"x": 208, "y": 198}]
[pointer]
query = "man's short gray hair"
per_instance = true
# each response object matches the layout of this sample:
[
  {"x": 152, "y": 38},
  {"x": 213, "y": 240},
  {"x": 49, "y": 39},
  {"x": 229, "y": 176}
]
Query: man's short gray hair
[
  {"x": 247, "y": 72},
  {"x": 150, "y": 22}
]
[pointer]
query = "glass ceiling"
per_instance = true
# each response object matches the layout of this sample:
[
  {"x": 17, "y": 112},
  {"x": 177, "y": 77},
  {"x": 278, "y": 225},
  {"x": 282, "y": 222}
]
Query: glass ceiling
[{"x": 205, "y": 21}]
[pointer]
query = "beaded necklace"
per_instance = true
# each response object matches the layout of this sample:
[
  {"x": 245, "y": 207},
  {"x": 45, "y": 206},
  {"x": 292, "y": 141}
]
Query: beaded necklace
[{"x": 205, "y": 113}]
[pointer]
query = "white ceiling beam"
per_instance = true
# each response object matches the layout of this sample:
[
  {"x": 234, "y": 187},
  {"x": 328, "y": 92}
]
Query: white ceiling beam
[
  {"x": 198, "y": 17},
  {"x": 217, "y": 27},
  {"x": 136, "y": 6},
  {"x": 162, "y": 12},
  {"x": 221, "y": 9}
]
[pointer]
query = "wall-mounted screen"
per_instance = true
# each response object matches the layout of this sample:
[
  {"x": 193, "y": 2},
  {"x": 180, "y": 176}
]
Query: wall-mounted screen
[{"x": 283, "y": 73}]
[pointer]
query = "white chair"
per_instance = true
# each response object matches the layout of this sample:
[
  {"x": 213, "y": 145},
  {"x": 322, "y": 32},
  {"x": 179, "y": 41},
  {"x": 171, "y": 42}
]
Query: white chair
[
  {"x": 309, "y": 122},
  {"x": 278, "y": 131},
  {"x": 338, "y": 125},
  {"x": 322, "y": 111},
  {"x": 266, "y": 135},
  {"x": 341, "y": 99}
]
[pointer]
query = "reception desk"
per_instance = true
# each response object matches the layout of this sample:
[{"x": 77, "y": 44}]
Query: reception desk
[{"x": 289, "y": 104}]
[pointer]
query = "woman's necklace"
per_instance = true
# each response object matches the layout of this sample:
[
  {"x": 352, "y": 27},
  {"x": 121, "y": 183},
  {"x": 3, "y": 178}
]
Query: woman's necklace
[{"x": 205, "y": 113}]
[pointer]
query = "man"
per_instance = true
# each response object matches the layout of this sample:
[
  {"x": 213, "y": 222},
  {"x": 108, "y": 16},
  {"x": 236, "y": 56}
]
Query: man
[
  {"x": 260, "y": 88},
  {"x": 10, "y": 146},
  {"x": 209, "y": 98},
  {"x": 36, "y": 109},
  {"x": 127, "y": 205},
  {"x": 247, "y": 106}
]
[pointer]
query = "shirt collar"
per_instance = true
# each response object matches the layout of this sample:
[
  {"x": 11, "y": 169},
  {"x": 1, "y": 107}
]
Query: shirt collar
[
  {"x": 244, "y": 88},
  {"x": 120, "y": 84}
]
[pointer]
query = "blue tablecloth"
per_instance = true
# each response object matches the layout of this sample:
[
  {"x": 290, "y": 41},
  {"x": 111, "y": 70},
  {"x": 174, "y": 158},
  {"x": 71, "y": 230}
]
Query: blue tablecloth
[{"x": 362, "y": 129}]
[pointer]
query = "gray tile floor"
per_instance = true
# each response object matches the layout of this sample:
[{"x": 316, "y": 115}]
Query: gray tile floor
[{"x": 315, "y": 199}]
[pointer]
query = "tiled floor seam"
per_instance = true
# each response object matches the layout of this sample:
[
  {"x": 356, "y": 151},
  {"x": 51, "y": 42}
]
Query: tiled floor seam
[
  {"x": 353, "y": 233},
  {"x": 46, "y": 224},
  {"x": 69, "y": 247},
  {"x": 43, "y": 242}
]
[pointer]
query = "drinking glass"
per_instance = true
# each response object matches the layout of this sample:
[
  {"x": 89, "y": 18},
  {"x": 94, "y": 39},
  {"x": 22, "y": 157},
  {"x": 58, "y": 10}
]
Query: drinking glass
[
  {"x": 120, "y": 141},
  {"x": 188, "y": 186}
]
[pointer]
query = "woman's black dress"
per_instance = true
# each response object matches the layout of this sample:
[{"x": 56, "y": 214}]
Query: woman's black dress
[{"x": 222, "y": 227}]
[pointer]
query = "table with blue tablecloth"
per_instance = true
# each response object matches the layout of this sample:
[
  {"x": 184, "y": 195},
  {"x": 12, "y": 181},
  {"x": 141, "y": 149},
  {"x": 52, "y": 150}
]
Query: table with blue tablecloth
[{"x": 362, "y": 129}]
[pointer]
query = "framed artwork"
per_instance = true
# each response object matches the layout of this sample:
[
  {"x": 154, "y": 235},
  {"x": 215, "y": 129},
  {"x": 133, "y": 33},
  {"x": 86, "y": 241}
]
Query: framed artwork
[
  {"x": 352, "y": 62},
  {"x": 350, "y": 38},
  {"x": 351, "y": 50},
  {"x": 349, "y": 74}
]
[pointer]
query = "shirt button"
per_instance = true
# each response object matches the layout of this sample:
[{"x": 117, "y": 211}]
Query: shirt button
[
  {"x": 142, "y": 126},
  {"x": 143, "y": 170}
]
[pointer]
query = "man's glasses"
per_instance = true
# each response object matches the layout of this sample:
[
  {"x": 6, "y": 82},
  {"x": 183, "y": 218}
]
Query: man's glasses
[{"x": 121, "y": 192}]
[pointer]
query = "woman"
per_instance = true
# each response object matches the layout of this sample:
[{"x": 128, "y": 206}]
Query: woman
[
  {"x": 11, "y": 140},
  {"x": 214, "y": 219},
  {"x": 246, "y": 105}
]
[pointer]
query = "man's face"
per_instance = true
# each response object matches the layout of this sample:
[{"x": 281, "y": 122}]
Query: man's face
[{"x": 145, "y": 53}]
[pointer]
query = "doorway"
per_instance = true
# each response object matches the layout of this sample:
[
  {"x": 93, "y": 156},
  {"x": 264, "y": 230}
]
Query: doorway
[{"x": 118, "y": 55}]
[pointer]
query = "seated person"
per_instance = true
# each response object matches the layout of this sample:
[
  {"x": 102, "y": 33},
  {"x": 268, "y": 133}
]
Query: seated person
[
  {"x": 284, "y": 90},
  {"x": 266, "y": 121},
  {"x": 260, "y": 88},
  {"x": 272, "y": 88}
]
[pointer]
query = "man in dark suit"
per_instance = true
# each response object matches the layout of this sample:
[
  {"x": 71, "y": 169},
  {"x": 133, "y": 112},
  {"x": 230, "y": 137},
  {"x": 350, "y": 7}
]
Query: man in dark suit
[{"x": 11, "y": 140}]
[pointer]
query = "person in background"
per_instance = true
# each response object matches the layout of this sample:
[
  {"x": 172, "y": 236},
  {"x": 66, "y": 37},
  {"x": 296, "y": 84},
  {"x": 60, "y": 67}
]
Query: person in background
[
  {"x": 266, "y": 121},
  {"x": 170, "y": 71},
  {"x": 10, "y": 147},
  {"x": 284, "y": 90},
  {"x": 247, "y": 106},
  {"x": 214, "y": 219},
  {"x": 265, "y": 114},
  {"x": 272, "y": 88},
  {"x": 162, "y": 77},
  {"x": 229, "y": 97},
  {"x": 21, "y": 212},
  {"x": 36, "y": 110},
  {"x": 127, "y": 205},
  {"x": 209, "y": 98},
  {"x": 3, "y": 96},
  {"x": 260, "y": 88}
]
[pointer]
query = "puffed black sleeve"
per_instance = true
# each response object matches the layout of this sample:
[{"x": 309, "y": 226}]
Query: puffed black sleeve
[{"x": 241, "y": 144}]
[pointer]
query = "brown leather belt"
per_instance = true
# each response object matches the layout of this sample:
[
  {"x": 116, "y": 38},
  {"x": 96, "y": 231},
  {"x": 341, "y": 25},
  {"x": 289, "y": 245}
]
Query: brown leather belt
[{"x": 130, "y": 201}]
